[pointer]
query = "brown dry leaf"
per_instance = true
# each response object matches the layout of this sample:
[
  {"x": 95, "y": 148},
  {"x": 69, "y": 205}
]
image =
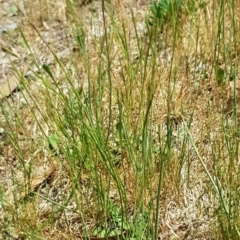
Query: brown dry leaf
[
  {"x": 4, "y": 46},
  {"x": 38, "y": 180},
  {"x": 10, "y": 85}
]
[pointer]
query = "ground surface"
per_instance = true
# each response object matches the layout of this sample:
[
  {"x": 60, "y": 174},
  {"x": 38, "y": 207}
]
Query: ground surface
[{"x": 187, "y": 214}]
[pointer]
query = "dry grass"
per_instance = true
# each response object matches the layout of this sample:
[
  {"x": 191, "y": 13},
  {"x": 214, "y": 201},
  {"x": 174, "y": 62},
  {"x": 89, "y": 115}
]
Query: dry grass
[{"x": 147, "y": 127}]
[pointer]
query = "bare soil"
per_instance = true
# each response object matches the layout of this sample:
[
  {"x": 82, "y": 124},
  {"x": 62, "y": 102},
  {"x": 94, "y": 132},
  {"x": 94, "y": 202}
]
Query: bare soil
[{"x": 50, "y": 30}]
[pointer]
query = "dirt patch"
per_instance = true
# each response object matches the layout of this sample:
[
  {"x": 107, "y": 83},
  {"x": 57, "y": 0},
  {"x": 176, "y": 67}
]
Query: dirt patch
[{"x": 39, "y": 52}]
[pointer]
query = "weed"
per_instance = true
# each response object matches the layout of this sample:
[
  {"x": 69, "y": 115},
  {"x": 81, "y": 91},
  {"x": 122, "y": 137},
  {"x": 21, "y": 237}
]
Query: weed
[{"x": 139, "y": 144}]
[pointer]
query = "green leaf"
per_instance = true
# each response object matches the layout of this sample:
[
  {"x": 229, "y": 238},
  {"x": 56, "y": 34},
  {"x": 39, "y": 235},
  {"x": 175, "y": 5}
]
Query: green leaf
[
  {"x": 47, "y": 70},
  {"x": 12, "y": 10},
  {"x": 52, "y": 140},
  {"x": 220, "y": 76}
]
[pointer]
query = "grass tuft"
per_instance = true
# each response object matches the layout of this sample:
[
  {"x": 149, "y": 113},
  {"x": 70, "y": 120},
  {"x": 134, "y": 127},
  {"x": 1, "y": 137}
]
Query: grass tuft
[{"x": 125, "y": 125}]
